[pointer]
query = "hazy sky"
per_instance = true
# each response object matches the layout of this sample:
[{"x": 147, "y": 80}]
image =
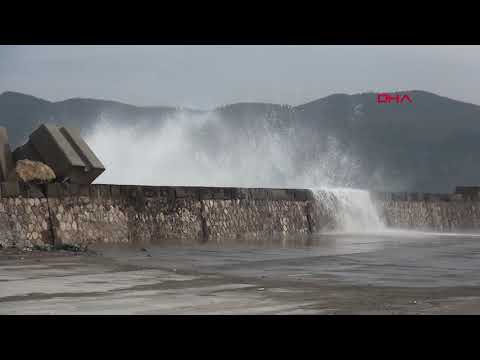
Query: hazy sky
[{"x": 208, "y": 76}]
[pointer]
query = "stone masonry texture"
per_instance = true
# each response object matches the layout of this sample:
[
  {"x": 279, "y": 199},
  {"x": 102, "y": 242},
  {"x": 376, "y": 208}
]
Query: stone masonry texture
[{"x": 82, "y": 215}]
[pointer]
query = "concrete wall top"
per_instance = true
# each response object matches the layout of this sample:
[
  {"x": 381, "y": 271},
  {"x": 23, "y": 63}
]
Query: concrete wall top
[
  {"x": 416, "y": 196},
  {"x": 58, "y": 190}
]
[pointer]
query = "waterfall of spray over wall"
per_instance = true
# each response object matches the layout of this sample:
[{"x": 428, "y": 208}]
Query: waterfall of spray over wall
[
  {"x": 205, "y": 149},
  {"x": 347, "y": 210}
]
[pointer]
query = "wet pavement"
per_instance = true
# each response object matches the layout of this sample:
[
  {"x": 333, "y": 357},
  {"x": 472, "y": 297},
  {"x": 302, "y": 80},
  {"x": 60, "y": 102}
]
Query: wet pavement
[{"x": 389, "y": 273}]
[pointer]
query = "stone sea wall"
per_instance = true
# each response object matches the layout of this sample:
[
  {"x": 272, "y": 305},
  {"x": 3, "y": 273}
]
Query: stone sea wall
[
  {"x": 24, "y": 222},
  {"x": 87, "y": 214},
  {"x": 82, "y": 215},
  {"x": 456, "y": 212}
]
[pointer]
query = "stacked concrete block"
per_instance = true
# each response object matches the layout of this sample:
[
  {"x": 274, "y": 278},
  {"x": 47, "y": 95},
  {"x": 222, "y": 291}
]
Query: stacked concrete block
[{"x": 64, "y": 151}]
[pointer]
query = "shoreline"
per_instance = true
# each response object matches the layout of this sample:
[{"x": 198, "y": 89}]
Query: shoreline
[{"x": 14, "y": 253}]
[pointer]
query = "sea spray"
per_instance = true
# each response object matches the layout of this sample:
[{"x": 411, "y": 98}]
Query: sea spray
[
  {"x": 206, "y": 149},
  {"x": 347, "y": 210}
]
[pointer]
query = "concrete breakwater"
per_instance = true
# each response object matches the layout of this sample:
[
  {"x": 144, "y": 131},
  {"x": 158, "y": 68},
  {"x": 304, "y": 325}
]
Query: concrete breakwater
[
  {"x": 86, "y": 214},
  {"x": 455, "y": 212}
]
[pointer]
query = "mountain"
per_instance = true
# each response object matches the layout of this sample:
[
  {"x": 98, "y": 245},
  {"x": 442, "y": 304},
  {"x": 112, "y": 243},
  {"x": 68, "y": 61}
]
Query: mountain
[
  {"x": 21, "y": 113},
  {"x": 427, "y": 145}
]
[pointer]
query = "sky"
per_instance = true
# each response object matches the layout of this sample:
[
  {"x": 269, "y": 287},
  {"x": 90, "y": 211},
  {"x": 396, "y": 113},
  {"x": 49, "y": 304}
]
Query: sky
[{"x": 204, "y": 77}]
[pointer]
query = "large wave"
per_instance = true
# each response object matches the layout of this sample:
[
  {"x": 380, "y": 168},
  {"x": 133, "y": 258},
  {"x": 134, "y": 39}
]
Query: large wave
[{"x": 202, "y": 149}]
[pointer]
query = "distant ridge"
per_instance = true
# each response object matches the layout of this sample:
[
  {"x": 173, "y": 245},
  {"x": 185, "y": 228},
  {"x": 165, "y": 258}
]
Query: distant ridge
[
  {"x": 19, "y": 95},
  {"x": 431, "y": 145}
]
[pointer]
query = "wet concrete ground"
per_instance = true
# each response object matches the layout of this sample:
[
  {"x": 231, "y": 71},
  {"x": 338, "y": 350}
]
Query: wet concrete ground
[{"x": 397, "y": 273}]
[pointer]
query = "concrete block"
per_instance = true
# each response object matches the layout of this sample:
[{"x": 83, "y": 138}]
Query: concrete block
[
  {"x": 26, "y": 151},
  {"x": 10, "y": 189},
  {"x": 6, "y": 158},
  {"x": 54, "y": 149},
  {"x": 64, "y": 151},
  {"x": 93, "y": 166}
]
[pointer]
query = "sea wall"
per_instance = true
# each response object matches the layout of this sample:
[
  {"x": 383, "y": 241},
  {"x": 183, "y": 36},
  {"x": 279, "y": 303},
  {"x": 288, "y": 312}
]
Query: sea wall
[
  {"x": 87, "y": 214},
  {"x": 82, "y": 215},
  {"x": 456, "y": 212}
]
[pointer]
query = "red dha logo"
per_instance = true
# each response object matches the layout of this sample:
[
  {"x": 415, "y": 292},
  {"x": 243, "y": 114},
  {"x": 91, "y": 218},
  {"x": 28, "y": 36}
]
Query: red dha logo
[{"x": 387, "y": 98}]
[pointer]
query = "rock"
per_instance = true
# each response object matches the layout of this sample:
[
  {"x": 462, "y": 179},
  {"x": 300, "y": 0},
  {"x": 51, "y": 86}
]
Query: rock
[{"x": 33, "y": 171}]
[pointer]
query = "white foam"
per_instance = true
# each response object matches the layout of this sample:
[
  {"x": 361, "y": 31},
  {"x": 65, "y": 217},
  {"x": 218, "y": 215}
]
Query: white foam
[
  {"x": 185, "y": 149},
  {"x": 352, "y": 210}
]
